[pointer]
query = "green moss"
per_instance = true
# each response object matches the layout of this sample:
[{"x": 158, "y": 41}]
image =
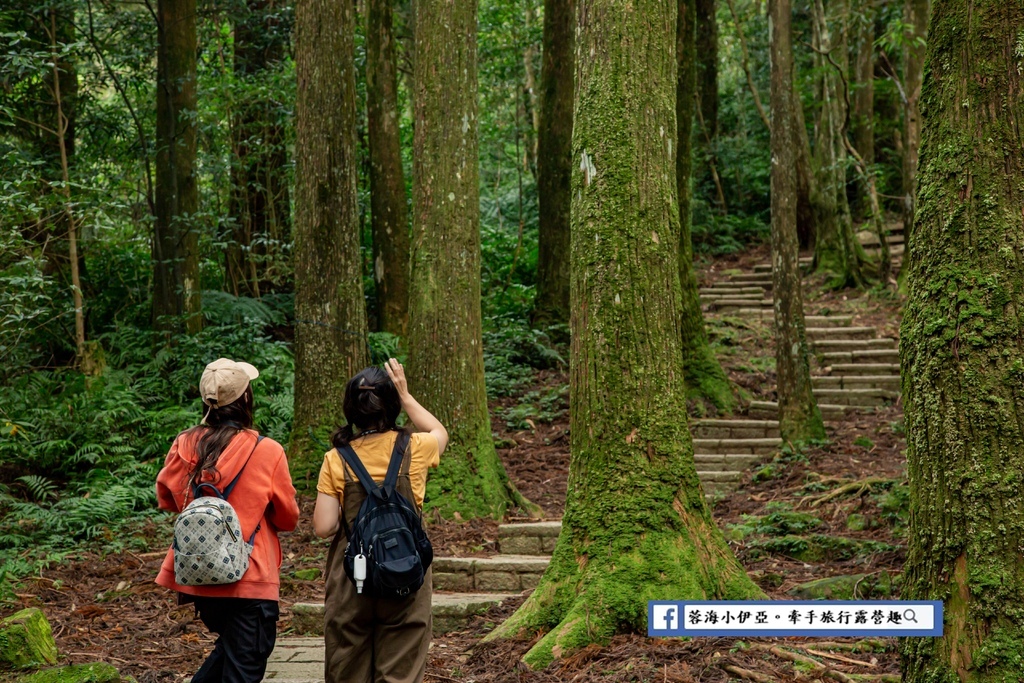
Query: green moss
[
  {"x": 307, "y": 574},
  {"x": 26, "y": 640},
  {"x": 77, "y": 673},
  {"x": 847, "y": 587},
  {"x": 818, "y": 547}
]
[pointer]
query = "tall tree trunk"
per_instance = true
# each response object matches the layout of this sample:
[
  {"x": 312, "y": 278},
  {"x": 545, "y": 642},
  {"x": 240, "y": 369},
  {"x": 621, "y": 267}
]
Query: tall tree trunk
[
  {"x": 176, "y": 288},
  {"x": 707, "y": 65},
  {"x": 960, "y": 347},
  {"x": 915, "y": 16},
  {"x": 862, "y": 25},
  {"x": 259, "y": 205},
  {"x": 837, "y": 252},
  {"x": 389, "y": 208},
  {"x": 799, "y": 417},
  {"x": 446, "y": 363},
  {"x": 554, "y": 141},
  {"x": 703, "y": 374},
  {"x": 330, "y": 316},
  {"x": 636, "y": 526}
]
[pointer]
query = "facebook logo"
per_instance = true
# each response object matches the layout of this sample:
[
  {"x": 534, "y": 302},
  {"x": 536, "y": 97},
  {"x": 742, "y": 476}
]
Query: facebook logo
[{"x": 664, "y": 618}]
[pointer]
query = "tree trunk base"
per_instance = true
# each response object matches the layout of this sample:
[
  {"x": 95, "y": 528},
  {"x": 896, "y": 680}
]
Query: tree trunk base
[
  {"x": 588, "y": 598},
  {"x": 705, "y": 379}
]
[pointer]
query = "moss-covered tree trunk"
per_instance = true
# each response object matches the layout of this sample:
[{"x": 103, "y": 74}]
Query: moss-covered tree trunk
[
  {"x": 446, "y": 363},
  {"x": 176, "y": 287},
  {"x": 915, "y": 16},
  {"x": 861, "y": 24},
  {"x": 702, "y": 373},
  {"x": 799, "y": 417},
  {"x": 554, "y": 143},
  {"x": 636, "y": 526},
  {"x": 961, "y": 356},
  {"x": 330, "y": 316},
  {"x": 389, "y": 208},
  {"x": 259, "y": 206},
  {"x": 837, "y": 253}
]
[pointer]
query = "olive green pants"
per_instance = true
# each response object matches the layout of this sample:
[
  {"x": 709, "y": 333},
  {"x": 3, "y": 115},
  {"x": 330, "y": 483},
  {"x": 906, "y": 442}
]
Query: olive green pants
[{"x": 375, "y": 641}]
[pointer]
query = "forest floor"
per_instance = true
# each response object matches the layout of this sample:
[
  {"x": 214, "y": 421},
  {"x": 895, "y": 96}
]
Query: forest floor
[{"x": 108, "y": 608}]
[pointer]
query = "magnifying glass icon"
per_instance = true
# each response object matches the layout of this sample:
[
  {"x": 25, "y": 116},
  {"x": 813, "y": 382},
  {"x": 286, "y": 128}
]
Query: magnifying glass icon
[{"x": 910, "y": 615}]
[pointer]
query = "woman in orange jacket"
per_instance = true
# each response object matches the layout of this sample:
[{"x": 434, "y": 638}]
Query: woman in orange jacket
[{"x": 244, "y": 614}]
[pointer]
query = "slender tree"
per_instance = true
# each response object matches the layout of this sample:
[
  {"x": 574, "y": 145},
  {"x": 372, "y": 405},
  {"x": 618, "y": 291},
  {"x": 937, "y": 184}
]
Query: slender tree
[
  {"x": 446, "y": 364},
  {"x": 389, "y": 205},
  {"x": 636, "y": 526},
  {"x": 861, "y": 24},
  {"x": 330, "y": 317},
  {"x": 799, "y": 417},
  {"x": 961, "y": 355},
  {"x": 176, "y": 287},
  {"x": 554, "y": 141},
  {"x": 702, "y": 372},
  {"x": 915, "y": 16},
  {"x": 837, "y": 253},
  {"x": 259, "y": 206}
]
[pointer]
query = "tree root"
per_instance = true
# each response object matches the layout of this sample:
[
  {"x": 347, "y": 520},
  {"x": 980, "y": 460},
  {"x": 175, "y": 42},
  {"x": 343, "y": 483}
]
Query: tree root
[
  {"x": 859, "y": 487},
  {"x": 747, "y": 674},
  {"x": 866, "y": 645},
  {"x": 817, "y": 667}
]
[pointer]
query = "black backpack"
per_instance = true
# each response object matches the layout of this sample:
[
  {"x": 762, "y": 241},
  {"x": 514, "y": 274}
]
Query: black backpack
[{"x": 387, "y": 532}]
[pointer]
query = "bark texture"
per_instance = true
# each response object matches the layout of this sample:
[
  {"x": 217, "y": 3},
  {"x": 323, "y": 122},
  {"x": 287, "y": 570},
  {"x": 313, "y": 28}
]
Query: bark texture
[
  {"x": 389, "y": 206},
  {"x": 799, "y": 417},
  {"x": 837, "y": 252},
  {"x": 915, "y": 15},
  {"x": 260, "y": 210},
  {"x": 862, "y": 34},
  {"x": 446, "y": 363},
  {"x": 702, "y": 373},
  {"x": 176, "y": 287},
  {"x": 330, "y": 317},
  {"x": 636, "y": 526},
  {"x": 961, "y": 357},
  {"x": 554, "y": 141},
  {"x": 707, "y": 65}
]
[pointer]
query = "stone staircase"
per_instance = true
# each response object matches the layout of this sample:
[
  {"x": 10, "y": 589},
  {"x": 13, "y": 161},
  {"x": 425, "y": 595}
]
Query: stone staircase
[{"x": 853, "y": 369}]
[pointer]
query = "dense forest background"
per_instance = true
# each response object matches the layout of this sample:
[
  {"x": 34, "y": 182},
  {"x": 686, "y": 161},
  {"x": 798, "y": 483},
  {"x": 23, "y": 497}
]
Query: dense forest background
[{"x": 89, "y": 403}]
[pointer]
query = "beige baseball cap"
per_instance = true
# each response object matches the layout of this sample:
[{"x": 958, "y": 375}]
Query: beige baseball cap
[{"x": 224, "y": 381}]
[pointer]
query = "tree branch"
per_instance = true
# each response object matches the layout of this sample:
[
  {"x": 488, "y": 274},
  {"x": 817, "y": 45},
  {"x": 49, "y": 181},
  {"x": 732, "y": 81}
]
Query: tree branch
[{"x": 746, "y": 67}]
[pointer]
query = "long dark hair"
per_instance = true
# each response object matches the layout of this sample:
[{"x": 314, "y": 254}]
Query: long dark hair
[
  {"x": 218, "y": 429},
  {"x": 371, "y": 403}
]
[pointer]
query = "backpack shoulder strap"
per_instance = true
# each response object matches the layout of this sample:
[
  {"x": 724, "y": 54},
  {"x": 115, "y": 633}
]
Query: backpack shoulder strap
[
  {"x": 356, "y": 465},
  {"x": 231, "y": 487},
  {"x": 397, "y": 457}
]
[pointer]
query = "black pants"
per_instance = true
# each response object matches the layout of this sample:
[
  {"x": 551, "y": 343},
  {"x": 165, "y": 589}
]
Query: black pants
[{"x": 247, "y": 630}]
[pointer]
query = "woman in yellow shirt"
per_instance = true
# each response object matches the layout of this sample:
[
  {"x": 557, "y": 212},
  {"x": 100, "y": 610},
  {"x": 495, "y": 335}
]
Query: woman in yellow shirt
[{"x": 368, "y": 639}]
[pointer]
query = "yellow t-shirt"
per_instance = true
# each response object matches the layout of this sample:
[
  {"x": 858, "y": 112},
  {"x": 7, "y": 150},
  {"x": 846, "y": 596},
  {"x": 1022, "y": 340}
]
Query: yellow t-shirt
[{"x": 374, "y": 450}]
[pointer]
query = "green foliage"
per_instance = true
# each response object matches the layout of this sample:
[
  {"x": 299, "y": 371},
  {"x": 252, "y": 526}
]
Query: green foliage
[
  {"x": 780, "y": 521},
  {"x": 537, "y": 406},
  {"x": 513, "y": 352}
]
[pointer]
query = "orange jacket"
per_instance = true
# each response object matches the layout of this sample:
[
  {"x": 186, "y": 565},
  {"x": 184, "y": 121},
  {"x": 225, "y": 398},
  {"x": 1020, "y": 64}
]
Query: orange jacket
[{"x": 264, "y": 493}]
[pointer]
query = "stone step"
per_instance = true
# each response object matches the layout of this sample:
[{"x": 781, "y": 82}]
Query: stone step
[
  {"x": 451, "y": 611},
  {"x": 896, "y": 251},
  {"x": 750, "y": 278},
  {"x": 863, "y": 355},
  {"x": 734, "y": 429},
  {"x": 832, "y": 345},
  {"x": 868, "y": 238},
  {"x": 819, "y": 321},
  {"x": 764, "y": 446},
  {"x": 715, "y": 480},
  {"x": 770, "y": 409},
  {"x": 725, "y": 462},
  {"x": 732, "y": 304},
  {"x": 533, "y": 538},
  {"x": 841, "y": 332},
  {"x": 805, "y": 262},
  {"x": 725, "y": 290},
  {"x": 742, "y": 298},
  {"x": 889, "y": 382},
  {"x": 494, "y": 574},
  {"x": 861, "y": 398},
  {"x": 878, "y": 369}
]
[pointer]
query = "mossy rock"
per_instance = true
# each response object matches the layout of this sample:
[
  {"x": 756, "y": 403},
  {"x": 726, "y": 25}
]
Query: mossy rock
[
  {"x": 307, "y": 574},
  {"x": 819, "y": 547},
  {"x": 26, "y": 640},
  {"x": 877, "y": 585},
  {"x": 76, "y": 673}
]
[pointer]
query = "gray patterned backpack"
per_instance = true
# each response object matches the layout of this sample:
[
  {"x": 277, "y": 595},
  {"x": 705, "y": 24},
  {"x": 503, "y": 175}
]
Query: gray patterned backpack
[{"x": 208, "y": 544}]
